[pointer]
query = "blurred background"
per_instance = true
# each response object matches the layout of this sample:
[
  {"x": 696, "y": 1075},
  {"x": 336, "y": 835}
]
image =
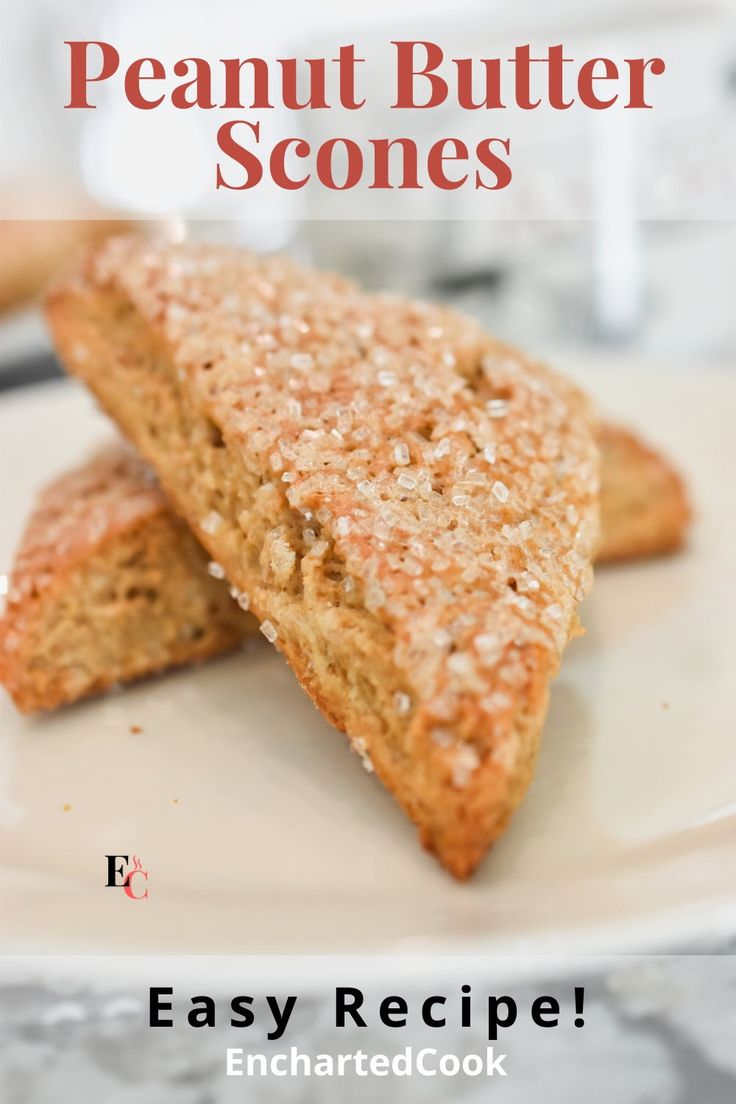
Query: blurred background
[{"x": 642, "y": 262}]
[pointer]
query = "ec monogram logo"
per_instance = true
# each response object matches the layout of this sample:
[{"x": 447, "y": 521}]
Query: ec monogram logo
[{"x": 117, "y": 878}]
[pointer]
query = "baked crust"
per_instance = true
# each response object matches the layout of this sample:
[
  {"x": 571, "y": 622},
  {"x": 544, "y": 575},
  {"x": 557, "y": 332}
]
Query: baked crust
[
  {"x": 108, "y": 586},
  {"x": 410, "y": 506},
  {"x": 644, "y": 504},
  {"x": 111, "y": 510}
]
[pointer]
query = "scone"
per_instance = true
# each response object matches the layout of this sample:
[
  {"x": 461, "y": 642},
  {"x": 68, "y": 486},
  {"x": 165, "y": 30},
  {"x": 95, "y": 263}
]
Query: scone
[
  {"x": 39, "y": 672},
  {"x": 411, "y": 508},
  {"x": 108, "y": 585},
  {"x": 644, "y": 504}
]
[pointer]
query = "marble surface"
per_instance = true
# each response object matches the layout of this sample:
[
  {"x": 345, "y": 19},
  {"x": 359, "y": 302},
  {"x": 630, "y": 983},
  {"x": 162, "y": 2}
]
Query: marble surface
[{"x": 657, "y": 1031}]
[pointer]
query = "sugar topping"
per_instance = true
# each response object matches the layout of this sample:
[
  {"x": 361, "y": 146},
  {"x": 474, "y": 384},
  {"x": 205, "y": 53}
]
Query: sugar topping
[
  {"x": 402, "y": 703},
  {"x": 466, "y": 762},
  {"x": 211, "y": 523},
  {"x": 360, "y": 745},
  {"x": 447, "y": 484},
  {"x": 269, "y": 631},
  {"x": 500, "y": 490}
]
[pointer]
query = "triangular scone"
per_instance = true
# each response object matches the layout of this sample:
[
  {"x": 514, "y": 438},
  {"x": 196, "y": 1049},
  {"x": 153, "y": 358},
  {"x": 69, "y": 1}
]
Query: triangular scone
[
  {"x": 644, "y": 511},
  {"x": 108, "y": 585},
  {"x": 644, "y": 504},
  {"x": 411, "y": 509}
]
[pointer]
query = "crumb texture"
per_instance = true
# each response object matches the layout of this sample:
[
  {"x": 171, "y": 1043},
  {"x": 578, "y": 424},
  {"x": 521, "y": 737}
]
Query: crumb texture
[
  {"x": 108, "y": 585},
  {"x": 409, "y": 507},
  {"x": 115, "y": 500}
]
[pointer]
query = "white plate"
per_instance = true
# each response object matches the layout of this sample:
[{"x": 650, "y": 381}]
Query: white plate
[{"x": 280, "y": 842}]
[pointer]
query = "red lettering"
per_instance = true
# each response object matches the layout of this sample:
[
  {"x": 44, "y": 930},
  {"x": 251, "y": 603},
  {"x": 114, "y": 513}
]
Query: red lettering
[
  {"x": 233, "y": 68},
  {"x": 381, "y": 163},
  {"x": 202, "y": 84},
  {"x": 316, "y": 97},
  {"x": 637, "y": 76},
  {"x": 133, "y": 78},
  {"x": 492, "y": 98},
  {"x": 79, "y": 74},
  {"x": 346, "y": 61},
  {"x": 523, "y": 62},
  {"x": 489, "y": 160},
  {"x": 278, "y": 163},
  {"x": 325, "y": 169},
  {"x": 436, "y": 163},
  {"x": 405, "y": 74},
  {"x": 588, "y": 75},
  {"x": 243, "y": 157},
  {"x": 557, "y": 62}
]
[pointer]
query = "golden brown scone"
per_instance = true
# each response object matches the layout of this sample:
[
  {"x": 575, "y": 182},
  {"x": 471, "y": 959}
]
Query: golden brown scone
[
  {"x": 137, "y": 523},
  {"x": 410, "y": 507},
  {"x": 108, "y": 586},
  {"x": 644, "y": 504},
  {"x": 129, "y": 536}
]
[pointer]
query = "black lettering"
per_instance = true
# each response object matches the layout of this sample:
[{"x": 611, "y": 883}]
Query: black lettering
[
  {"x": 343, "y": 1008},
  {"x": 156, "y": 1006}
]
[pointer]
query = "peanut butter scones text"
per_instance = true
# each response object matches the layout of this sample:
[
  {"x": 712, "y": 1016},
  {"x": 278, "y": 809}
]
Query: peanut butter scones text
[{"x": 423, "y": 77}]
